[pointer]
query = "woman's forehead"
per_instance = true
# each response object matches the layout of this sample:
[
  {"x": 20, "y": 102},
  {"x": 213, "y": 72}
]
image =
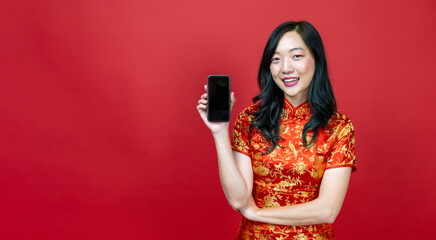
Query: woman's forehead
[{"x": 290, "y": 41}]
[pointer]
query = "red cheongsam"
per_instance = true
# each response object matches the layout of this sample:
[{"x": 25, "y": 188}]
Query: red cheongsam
[{"x": 292, "y": 174}]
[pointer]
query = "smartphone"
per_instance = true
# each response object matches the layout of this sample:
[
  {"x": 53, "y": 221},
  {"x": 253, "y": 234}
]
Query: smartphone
[{"x": 218, "y": 98}]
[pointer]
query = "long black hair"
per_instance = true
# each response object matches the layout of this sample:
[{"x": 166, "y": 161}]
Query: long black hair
[{"x": 271, "y": 98}]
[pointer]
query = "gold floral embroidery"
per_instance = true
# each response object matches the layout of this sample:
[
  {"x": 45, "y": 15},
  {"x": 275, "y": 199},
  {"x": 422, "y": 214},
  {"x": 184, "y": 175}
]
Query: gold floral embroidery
[
  {"x": 299, "y": 167},
  {"x": 292, "y": 174},
  {"x": 301, "y": 236},
  {"x": 270, "y": 201},
  {"x": 260, "y": 169}
]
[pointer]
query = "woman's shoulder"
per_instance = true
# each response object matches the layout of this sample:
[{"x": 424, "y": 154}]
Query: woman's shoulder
[
  {"x": 339, "y": 120},
  {"x": 340, "y": 116},
  {"x": 244, "y": 120}
]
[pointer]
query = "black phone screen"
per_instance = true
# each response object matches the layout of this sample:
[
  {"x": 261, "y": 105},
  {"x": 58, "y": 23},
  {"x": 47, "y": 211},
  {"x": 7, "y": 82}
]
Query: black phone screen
[{"x": 218, "y": 98}]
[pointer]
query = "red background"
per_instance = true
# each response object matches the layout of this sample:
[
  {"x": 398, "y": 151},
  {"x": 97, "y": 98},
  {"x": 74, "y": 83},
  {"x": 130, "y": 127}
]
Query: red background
[{"x": 100, "y": 138}]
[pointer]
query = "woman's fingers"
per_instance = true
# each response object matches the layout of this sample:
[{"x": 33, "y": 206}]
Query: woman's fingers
[
  {"x": 201, "y": 107},
  {"x": 233, "y": 99},
  {"x": 202, "y": 101},
  {"x": 204, "y": 96}
]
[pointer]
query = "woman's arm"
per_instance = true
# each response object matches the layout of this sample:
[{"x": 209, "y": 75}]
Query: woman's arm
[
  {"x": 235, "y": 169},
  {"x": 236, "y": 174},
  {"x": 324, "y": 209}
]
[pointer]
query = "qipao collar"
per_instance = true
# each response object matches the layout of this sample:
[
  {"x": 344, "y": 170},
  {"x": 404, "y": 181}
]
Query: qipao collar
[{"x": 302, "y": 111}]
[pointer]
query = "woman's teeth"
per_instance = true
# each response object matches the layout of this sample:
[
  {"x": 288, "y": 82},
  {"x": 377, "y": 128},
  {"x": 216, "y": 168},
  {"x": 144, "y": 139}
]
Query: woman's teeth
[{"x": 291, "y": 80}]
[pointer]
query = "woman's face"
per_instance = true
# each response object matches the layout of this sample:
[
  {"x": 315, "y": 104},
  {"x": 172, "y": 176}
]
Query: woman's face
[{"x": 292, "y": 67}]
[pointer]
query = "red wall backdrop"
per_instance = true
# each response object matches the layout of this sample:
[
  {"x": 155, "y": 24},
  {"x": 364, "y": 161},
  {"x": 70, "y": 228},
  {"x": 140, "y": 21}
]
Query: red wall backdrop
[{"x": 100, "y": 138}]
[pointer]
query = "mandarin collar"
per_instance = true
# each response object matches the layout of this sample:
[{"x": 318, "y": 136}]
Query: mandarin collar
[{"x": 302, "y": 111}]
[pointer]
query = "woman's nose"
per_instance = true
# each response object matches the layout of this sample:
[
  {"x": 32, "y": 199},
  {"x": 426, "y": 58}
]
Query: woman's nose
[{"x": 287, "y": 66}]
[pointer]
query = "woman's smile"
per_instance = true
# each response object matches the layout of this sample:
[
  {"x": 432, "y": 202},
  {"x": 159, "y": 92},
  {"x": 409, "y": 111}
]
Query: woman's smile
[{"x": 290, "y": 81}]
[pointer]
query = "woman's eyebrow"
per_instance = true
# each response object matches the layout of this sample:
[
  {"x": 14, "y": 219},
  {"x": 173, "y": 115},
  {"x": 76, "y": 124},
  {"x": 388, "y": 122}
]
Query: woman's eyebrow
[
  {"x": 297, "y": 48},
  {"x": 293, "y": 49}
]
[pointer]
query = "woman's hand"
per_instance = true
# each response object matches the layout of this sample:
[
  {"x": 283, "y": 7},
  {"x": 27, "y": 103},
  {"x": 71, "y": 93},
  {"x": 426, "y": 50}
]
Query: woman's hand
[
  {"x": 249, "y": 210},
  {"x": 215, "y": 127}
]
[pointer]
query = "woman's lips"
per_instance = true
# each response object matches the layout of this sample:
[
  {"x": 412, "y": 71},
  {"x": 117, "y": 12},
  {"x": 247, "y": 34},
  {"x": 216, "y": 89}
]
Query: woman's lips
[{"x": 290, "y": 81}]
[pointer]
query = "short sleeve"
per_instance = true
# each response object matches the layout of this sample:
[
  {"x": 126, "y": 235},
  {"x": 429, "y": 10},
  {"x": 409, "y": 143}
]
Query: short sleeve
[
  {"x": 240, "y": 141},
  {"x": 342, "y": 154}
]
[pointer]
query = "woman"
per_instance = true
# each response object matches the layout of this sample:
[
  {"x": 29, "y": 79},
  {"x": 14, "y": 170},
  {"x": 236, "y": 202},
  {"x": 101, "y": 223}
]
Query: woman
[{"x": 293, "y": 153}]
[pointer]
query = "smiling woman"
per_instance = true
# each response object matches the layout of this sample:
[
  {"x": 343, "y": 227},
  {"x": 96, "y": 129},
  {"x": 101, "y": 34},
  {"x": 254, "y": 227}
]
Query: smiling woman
[
  {"x": 293, "y": 153},
  {"x": 292, "y": 68}
]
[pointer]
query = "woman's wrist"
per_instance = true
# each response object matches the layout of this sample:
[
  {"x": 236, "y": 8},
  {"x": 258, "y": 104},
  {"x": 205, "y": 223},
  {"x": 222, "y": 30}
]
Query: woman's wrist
[
  {"x": 254, "y": 216},
  {"x": 224, "y": 131}
]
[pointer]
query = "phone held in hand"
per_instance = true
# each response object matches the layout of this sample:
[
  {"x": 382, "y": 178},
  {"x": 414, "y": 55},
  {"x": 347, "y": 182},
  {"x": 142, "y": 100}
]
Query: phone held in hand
[{"x": 218, "y": 98}]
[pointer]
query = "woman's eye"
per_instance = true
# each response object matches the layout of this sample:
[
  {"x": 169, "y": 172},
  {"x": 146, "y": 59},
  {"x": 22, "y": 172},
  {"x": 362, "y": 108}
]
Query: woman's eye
[
  {"x": 298, "y": 56},
  {"x": 275, "y": 59}
]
